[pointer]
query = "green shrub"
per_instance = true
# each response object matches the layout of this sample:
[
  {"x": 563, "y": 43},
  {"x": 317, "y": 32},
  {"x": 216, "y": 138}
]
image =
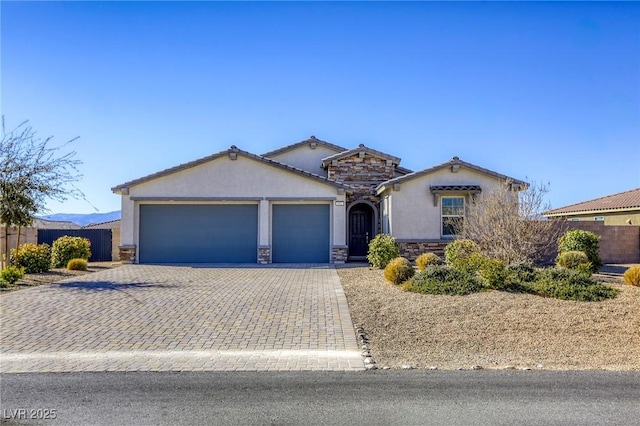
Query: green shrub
[
  {"x": 428, "y": 259},
  {"x": 77, "y": 265},
  {"x": 442, "y": 279},
  {"x": 585, "y": 241},
  {"x": 33, "y": 258},
  {"x": 471, "y": 264},
  {"x": 494, "y": 273},
  {"x": 570, "y": 284},
  {"x": 66, "y": 248},
  {"x": 521, "y": 272},
  {"x": 10, "y": 275},
  {"x": 459, "y": 250},
  {"x": 382, "y": 249},
  {"x": 632, "y": 275},
  {"x": 398, "y": 270},
  {"x": 574, "y": 260}
]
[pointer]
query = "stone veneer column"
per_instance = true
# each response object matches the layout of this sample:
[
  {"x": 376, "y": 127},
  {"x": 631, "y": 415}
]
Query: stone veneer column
[
  {"x": 264, "y": 254},
  {"x": 339, "y": 254},
  {"x": 127, "y": 253}
]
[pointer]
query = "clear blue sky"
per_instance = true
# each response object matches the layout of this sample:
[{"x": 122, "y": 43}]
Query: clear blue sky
[{"x": 540, "y": 91}]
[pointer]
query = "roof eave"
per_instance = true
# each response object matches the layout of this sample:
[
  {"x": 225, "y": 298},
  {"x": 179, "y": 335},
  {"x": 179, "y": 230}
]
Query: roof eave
[{"x": 592, "y": 211}]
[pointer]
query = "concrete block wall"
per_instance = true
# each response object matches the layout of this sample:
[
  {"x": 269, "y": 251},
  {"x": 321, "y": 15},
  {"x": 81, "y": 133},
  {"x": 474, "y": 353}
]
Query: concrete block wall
[{"x": 618, "y": 243}]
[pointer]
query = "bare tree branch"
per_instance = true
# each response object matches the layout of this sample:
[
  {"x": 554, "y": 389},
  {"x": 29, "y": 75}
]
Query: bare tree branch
[
  {"x": 32, "y": 172},
  {"x": 508, "y": 225}
]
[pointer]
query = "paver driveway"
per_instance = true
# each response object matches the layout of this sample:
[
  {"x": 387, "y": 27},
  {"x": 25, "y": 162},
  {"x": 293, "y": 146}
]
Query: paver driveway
[{"x": 181, "y": 318}]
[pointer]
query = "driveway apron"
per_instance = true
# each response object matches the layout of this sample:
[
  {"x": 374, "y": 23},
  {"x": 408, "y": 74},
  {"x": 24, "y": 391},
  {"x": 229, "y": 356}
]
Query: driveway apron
[{"x": 181, "y": 318}]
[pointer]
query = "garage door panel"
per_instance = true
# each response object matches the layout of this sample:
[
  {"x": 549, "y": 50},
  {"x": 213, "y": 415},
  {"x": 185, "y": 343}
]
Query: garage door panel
[
  {"x": 198, "y": 233},
  {"x": 300, "y": 233}
]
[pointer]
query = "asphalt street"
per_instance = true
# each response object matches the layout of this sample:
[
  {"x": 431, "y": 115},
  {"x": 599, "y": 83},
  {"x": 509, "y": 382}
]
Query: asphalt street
[{"x": 323, "y": 398}]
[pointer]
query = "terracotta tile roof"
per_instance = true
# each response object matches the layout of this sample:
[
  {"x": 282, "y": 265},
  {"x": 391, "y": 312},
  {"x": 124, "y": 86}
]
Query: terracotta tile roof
[{"x": 627, "y": 200}]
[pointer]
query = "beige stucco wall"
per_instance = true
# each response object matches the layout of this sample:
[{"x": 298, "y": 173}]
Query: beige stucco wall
[
  {"x": 413, "y": 215},
  {"x": 306, "y": 158},
  {"x": 243, "y": 180},
  {"x": 621, "y": 218}
]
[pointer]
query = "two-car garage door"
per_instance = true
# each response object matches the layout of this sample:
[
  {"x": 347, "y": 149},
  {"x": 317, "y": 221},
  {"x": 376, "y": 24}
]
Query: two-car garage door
[
  {"x": 228, "y": 233},
  {"x": 198, "y": 233}
]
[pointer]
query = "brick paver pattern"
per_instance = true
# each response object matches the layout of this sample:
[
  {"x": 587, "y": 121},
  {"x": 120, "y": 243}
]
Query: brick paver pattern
[{"x": 181, "y": 318}]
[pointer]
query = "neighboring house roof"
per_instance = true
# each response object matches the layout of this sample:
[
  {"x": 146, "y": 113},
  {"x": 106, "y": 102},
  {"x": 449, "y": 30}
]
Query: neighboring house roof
[
  {"x": 622, "y": 201},
  {"x": 54, "y": 224},
  {"x": 361, "y": 148},
  {"x": 312, "y": 139},
  {"x": 454, "y": 162},
  {"x": 110, "y": 224},
  {"x": 229, "y": 152}
]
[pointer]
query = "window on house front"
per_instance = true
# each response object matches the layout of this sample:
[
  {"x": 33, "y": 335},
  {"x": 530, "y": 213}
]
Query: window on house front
[{"x": 452, "y": 215}]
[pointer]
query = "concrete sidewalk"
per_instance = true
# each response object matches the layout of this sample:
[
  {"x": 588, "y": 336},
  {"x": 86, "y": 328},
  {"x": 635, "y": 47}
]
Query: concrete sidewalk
[{"x": 181, "y": 318}]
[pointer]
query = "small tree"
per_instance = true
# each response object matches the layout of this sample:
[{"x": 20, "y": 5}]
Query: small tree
[
  {"x": 508, "y": 225},
  {"x": 31, "y": 172}
]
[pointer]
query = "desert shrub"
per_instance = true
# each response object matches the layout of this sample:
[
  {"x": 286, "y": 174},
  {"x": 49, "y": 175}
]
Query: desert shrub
[
  {"x": 427, "y": 259},
  {"x": 442, "y": 279},
  {"x": 521, "y": 272},
  {"x": 382, "y": 249},
  {"x": 585, "y": 241},
  {"x": 66, "y": 248},
  {"x": 459, "y": 250},
  {"x": 632, "y": 275},
  {"x": 472, "y": 264},
  {"x": 33, "y": 258},
  {"x": 398, "y": 270},
  {"x": 570, "y": 284},
  {"x": 574, "y": 260},
  {"x": 10, "y": 275},
  {"x": 77, "y": 265},
  {"x": 494, "y": 273}
]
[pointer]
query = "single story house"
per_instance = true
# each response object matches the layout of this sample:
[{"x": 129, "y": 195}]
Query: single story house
[
  {"x": 622, "y": 208},
  {"x": 310, "y": 202}
]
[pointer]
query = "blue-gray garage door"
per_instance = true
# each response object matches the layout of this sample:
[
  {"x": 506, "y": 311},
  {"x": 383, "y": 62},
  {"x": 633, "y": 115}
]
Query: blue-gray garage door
[
  {"x": 197, "y": 233},
  {"x": 300, "y": 233}
]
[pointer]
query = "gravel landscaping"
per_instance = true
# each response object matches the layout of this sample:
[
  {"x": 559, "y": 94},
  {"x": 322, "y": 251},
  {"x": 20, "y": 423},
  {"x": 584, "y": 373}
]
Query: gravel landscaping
[
  {"x": 57, "y": 274},
  {"x": 494, "y": 330}
]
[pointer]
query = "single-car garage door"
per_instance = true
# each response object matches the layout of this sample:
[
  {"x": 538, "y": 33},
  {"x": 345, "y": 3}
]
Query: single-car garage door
[
  {"x": 198, "y": 233},
  {"x": 300, "y": 233}
]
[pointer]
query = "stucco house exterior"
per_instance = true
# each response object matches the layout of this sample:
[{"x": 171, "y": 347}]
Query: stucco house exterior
[{"x": 309, "y": 202}]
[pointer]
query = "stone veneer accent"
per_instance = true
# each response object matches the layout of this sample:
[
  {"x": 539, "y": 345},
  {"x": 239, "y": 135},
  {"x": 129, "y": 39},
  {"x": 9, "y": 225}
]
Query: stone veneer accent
[
  {"x": 363, "y": 173},
  {"x": 339, "y": 254},
  {"x": 264, "y": 254},
  {"x": 356, "y": 168},
  {"x": 127, "y": 254},
  {"x": 412, "y": 249}
]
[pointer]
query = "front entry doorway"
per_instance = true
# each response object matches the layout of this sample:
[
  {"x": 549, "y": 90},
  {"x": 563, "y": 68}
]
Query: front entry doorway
[{"x": 361, "y": 230}]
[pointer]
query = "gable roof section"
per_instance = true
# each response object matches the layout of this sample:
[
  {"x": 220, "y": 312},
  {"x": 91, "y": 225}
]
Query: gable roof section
[
  {"x": 627, "y": 200},
  {"x": 312, "y": 139},
  {"x": 360, "y": 148},
  {"x": 455, "y": 161},
  {"x": 233, "y": 151}
]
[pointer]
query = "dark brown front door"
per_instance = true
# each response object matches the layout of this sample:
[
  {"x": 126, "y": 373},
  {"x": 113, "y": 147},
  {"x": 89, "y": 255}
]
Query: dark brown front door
[{"x": 360, "y": 229}]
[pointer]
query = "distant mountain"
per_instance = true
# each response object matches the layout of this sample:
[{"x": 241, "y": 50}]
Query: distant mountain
[{"x": 83, "y": 219}]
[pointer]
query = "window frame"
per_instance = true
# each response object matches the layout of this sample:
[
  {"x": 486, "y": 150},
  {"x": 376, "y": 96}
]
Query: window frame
[{"x": 458, "y": 216}]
